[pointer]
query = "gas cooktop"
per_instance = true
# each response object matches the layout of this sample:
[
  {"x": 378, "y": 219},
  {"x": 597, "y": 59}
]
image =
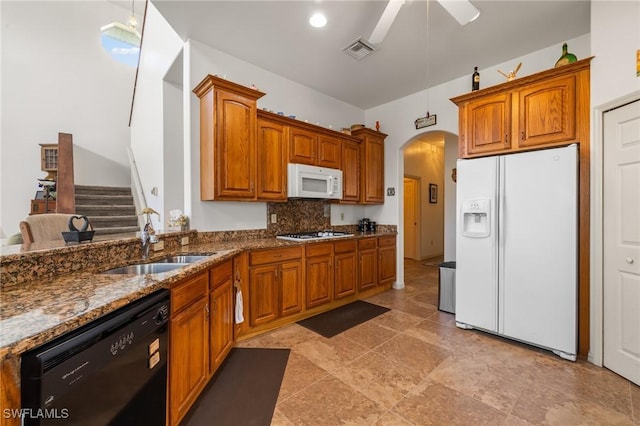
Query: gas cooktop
[{"x": 317, "y": 235}]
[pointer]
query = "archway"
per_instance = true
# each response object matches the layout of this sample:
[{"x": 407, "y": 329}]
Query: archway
[{"x": 429, "y": 159}]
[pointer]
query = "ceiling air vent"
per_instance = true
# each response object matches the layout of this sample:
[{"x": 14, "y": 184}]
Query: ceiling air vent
[{"x": 359, "y": 49}]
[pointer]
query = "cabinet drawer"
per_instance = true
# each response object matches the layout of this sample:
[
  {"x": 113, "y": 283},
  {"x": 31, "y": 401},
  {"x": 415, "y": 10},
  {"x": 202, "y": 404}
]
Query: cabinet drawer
[
  {"x": 277, "y": 255},
  {"x": 345, "y": 246},
  {"x": 318, "y": 249},
  {"x": 367, "y": 243},
  {"x": 187, "y": 292},
  {"x": 221, "y": 273},
  {"x": 386, "y": 241}
]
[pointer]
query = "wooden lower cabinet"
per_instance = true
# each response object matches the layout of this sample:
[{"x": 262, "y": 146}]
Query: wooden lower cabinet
[
  {"x": 222, "y": 314},
  {"x": 319, "y": 274},
  {"x": 200, "y": 334},
  {"x": 346, "y": 269},
  {"x": 291, "y": 288},
  {"x": 275, "y": 284},
  {"x": 367, "y": 263},
  {"x": 263, "y": 294},
  {"x": 189, "y": 344},
  {"x": 387, "y": 260},
  {"x": 307, "y": 279}
]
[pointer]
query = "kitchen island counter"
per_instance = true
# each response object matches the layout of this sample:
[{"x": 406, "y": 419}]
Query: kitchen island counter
[{"x": 38, "y": 304}]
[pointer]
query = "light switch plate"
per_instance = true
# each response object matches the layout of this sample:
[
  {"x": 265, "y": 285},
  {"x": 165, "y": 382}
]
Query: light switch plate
[
  {"x": 391, "y": 192},
  {"x": 159, "y": 246},
  {"x": 274, "y": 218},
  {"x": 184, "y": 241}
]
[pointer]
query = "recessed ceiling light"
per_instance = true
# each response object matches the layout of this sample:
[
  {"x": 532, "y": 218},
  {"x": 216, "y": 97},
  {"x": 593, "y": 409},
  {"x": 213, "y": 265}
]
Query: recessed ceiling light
[{"x": 318, "y": 20}]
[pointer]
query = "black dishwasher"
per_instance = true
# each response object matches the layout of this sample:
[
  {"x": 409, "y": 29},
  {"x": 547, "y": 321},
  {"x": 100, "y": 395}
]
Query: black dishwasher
[{"x": 112, "y": 371}]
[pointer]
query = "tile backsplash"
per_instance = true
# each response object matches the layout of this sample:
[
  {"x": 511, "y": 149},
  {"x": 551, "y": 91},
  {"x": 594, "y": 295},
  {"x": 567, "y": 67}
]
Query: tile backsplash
[{"x": 299, "y": 215}]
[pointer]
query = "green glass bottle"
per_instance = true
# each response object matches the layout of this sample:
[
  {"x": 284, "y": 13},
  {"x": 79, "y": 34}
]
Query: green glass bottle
[{"x": 566, "y": 57}]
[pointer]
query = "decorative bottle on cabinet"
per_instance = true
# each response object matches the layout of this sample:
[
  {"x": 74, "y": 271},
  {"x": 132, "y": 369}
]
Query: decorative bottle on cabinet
[
  {"x": 475, "y": 79},
  {"x": 566, "y": 57}
]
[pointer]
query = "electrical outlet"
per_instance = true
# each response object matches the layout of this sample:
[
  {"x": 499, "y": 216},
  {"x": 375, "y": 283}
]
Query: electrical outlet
[
  {"x": 274, "y": 218},
  {"x": 184, "y": 241},
  {"x": 391, "y": 192},
  {"x": 159, "y": 246}
]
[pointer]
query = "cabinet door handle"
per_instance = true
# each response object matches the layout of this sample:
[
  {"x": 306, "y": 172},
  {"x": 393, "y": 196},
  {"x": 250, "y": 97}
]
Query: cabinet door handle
[
  {"x": 206, "y": 311},
  {"x": 522, "y": 135},
  {"x": 506, "y": 138}
]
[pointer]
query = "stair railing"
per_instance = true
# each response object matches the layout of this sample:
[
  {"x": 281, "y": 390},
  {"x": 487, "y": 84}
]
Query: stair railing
[{"x": 139, "y": 200}]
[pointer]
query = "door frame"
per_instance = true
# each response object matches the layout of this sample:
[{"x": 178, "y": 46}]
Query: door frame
[
  {"x": 596, "y": 268},
  {"x": 418, "y": 213}
]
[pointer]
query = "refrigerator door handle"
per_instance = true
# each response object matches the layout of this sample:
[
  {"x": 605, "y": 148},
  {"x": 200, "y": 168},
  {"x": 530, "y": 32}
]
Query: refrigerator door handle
[{"x": 501, "y": 221}]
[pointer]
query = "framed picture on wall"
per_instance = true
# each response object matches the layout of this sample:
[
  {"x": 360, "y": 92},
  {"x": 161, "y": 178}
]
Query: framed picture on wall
[{"x": 433, "y": 193}]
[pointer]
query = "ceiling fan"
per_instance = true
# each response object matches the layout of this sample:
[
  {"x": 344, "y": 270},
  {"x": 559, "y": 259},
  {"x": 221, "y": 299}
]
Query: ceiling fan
[{"x": 462, "y": 10}]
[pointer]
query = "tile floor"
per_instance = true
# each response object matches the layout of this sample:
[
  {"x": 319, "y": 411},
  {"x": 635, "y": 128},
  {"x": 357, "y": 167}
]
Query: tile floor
[{"x": 412, "y": 366}]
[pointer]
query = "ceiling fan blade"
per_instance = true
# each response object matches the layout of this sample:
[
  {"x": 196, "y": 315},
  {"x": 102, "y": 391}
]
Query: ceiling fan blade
[
  {"x": 385, "y": 21},
  {"x": 462, "y": 10}
]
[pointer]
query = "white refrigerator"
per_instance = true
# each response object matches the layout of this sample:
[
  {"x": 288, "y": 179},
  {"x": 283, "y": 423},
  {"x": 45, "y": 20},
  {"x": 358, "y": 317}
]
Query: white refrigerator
[{"x": 516, "y": 247}]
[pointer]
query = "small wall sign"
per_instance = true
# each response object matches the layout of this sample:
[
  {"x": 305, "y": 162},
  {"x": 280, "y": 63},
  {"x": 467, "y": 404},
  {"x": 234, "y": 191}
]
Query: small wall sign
[{"x": 427, "y": 121}]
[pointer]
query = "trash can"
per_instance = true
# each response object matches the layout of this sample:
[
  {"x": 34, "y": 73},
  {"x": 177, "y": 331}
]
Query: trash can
[{"x": 447, "y": 287}]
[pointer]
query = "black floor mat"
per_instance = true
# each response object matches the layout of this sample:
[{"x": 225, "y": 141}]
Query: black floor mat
[
  {"x": 333, "y": 322},
  {"x": 244, "y": 390}
]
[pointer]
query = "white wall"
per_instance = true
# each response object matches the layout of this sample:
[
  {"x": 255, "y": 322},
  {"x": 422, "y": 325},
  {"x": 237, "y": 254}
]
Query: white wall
[
  {"x": 281, "y": 95},
  {"x": 397, "y": 119},
  {"x": 615, "y": 38},
  {"x": 57, "y": 78},
  {"x": 450, "y": 158},
  {"x": 161, "y": 45}
]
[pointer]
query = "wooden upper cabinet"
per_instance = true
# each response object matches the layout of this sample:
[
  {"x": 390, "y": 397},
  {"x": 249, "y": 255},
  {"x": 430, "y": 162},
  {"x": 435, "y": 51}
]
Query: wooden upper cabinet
[
  {"x": 272, "y": 160},
  {"x": 547, "y": 112},
  {"x": 538, "y": 111},
  {"x": 487, "y": 124},
  {"x": 372, "y": 166},
  {"x": 303, "y": 145},
  {"x": 329, "y": 153},
  {"x": 227, "y": 139},
  {"x": 350, "y": 171}
]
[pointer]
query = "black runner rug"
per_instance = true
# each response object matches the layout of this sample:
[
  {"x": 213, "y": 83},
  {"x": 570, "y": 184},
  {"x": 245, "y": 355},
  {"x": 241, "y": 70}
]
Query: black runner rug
[{"x": 331, "y": 323}]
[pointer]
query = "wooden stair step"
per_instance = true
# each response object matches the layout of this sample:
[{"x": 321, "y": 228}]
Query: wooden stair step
[
  {"x": 93, "y": 199},
  {"x": 102, "y": 210},
  {"x": 111, "y": 221},
  {"x": 102, "y": 190},
  {"x": 116, "y": 230}
]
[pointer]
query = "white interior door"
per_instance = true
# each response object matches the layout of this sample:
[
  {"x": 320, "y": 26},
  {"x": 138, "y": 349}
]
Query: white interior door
[
  {"x": 622, "y": 241},
  {"x": 411, "y": 237}
]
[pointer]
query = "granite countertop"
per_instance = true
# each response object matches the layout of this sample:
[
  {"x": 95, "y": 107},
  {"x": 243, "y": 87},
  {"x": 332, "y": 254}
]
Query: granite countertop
[{"x": 37, "y": 311}]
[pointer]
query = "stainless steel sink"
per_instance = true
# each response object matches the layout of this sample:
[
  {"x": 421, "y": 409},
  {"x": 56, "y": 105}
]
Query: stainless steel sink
[
  {"x": 185, "y": 258},
  {"x": 145, "y": 268}
]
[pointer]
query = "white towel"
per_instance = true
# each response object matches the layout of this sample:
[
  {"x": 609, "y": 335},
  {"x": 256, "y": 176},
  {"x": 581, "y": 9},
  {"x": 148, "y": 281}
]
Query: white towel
[{"x": 239, "y": 307}]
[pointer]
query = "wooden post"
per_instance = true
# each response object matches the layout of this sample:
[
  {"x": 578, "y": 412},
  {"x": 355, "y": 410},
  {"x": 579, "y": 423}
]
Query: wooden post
[{"x": 65, "y": 186}]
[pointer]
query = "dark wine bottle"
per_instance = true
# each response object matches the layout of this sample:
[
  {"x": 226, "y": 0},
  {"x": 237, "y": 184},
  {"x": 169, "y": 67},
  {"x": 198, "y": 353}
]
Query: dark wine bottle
[{"x": 475, "y": 80}]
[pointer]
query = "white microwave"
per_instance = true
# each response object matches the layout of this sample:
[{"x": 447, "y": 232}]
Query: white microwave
[{"x": 306, "y": 181}]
